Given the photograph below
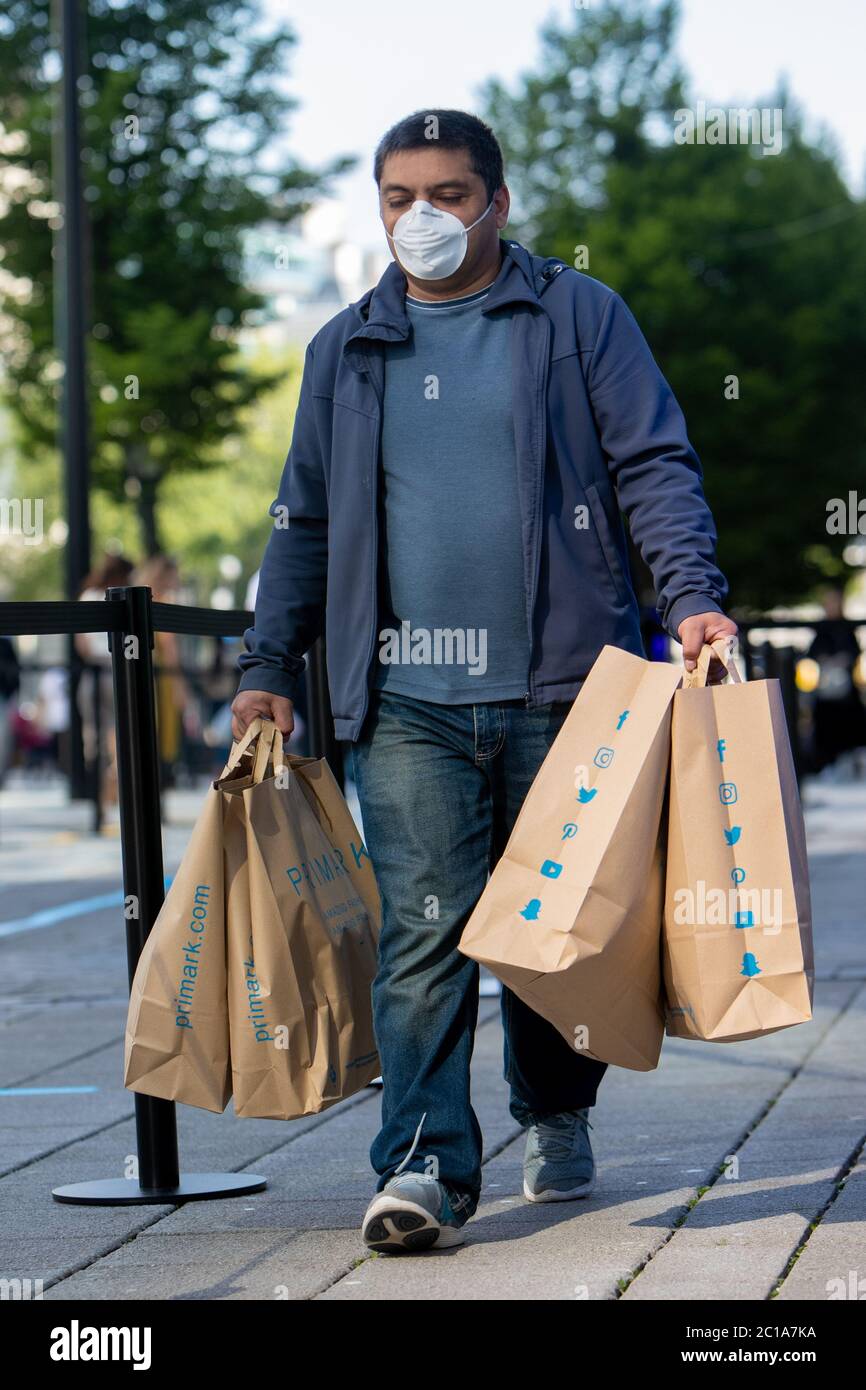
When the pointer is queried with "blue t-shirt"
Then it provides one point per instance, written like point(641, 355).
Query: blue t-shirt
point(452, 601)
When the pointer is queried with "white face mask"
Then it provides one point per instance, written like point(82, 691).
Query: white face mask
point(431, 243)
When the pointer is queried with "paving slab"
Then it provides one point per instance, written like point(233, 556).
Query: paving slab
point(831, 1264)
point(737, 1241)
point(317, 1168)
point(658, 1138)
point(784, 1114)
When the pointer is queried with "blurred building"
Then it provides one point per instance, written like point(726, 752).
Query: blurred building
point(306, 276)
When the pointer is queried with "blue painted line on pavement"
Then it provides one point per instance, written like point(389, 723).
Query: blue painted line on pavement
point(50, 916)
point(47, 1090)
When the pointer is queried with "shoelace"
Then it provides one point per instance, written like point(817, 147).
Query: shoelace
point(402, 1165)
point(457, 1200)
point(555, 1141)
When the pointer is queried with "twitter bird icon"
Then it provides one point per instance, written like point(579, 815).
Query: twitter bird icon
point(732, 835)
point(585, 794)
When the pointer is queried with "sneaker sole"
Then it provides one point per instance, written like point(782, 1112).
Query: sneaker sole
point(552, 1194)
point(393, 1223)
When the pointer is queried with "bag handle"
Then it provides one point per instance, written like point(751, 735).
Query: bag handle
point(240, 747)
point(269, 747)
point(309, 785)
point(697, 679)
point(264, 751)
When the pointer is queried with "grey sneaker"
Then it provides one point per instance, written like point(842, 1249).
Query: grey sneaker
point(415, 1211)
point(558, 1163)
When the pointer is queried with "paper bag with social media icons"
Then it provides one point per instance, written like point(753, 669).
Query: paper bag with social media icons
point(302, 928)
point(570, 919)
point(737, 939)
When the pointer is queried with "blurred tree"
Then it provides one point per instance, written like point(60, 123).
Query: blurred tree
point(240, 488)
point(602, 87)
point(198, 524)
point(183, 105)
point(737, 264)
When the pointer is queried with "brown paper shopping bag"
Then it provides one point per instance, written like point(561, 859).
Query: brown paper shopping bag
point(737, 939)
point(570, 919)
point(302, 930)
point(177, 1032)
point(328, 805)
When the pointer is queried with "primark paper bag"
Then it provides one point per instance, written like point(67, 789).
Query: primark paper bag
point(570, 919)
point(737, 941)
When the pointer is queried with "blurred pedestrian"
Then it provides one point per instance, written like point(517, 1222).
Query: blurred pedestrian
point(95, 696)
point(176, 710)
point(53, 707)
point(10, 683)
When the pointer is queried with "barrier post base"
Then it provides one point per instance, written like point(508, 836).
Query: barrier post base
point(193, 1187)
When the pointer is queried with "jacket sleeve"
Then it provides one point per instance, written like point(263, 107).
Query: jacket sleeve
point(290, 602)
point(657, 474)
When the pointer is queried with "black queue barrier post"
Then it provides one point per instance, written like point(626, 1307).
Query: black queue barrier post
point(130, 617)
point(94, 772)
point(159, 1178)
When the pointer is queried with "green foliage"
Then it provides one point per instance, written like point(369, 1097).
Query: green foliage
point(735, 263)
point(200, 517)
point(181, 108)
point(226, 512)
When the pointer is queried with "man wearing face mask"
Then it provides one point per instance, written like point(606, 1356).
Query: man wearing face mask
point(451, 426)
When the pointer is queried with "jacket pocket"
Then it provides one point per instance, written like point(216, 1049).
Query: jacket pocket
point(607, 544)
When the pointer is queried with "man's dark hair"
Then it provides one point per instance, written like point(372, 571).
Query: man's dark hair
point(454, 130)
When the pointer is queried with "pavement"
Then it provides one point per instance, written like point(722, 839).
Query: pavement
point(732, 1171)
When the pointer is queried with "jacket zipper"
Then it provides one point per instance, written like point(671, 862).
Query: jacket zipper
point(541, 405)
point(374, 479)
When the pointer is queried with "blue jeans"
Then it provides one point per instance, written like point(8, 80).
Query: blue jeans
point(440, 787)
